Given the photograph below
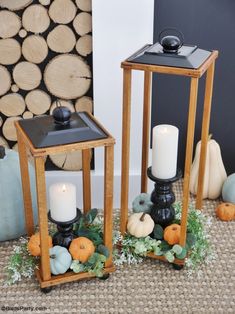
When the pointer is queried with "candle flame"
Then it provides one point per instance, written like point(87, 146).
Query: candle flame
point(64, 188)
point(164, 130)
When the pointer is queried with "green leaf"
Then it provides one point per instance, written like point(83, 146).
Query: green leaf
point(158, 232)
point(102, 249)
point(77, 267)
point(183, 254)
point(95, 237)
point(165, 246)
point(177, 249)
point(190, 240)
point(158, 251)
point(91, 215)
point(169, 256)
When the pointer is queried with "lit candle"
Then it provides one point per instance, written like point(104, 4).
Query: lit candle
point(62, 199)
point(165, 150)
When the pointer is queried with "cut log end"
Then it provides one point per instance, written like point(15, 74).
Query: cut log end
point(82, 23)
point(27, 75)
point(38, 102)
point(35, 19)
point(5, 80)
point(12, 105)
point(62, 11)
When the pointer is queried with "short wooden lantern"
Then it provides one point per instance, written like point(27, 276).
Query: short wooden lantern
point(195, 74)
point(39, 155)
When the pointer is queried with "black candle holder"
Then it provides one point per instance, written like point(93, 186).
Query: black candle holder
point(162, 197)
point(65, 233)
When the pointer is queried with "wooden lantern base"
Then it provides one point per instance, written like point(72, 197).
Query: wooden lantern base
point(39, 155)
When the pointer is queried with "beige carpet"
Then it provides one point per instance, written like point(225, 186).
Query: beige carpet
point(151, 287)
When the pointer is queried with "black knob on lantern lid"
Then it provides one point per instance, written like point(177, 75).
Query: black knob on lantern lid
point(171, 44)
point(61, 115)
point(2, 152)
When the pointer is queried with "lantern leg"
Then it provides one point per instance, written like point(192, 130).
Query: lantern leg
point(25, 185)
point(205, 133)
point(108, 202)
point(126, 118)
point(42, 217)
point(188, 157)
point(86, 178)
point(145, 131)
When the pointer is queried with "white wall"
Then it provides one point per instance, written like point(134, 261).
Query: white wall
point(120, 27)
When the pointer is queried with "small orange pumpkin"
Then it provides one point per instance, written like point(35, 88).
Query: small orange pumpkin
point(81, 249)
point(34, 244)
point(226, 211)
point(172, 234)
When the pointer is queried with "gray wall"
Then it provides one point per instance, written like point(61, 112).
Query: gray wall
point(210, 24)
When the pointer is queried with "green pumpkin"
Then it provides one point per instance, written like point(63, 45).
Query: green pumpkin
point(228, 190)
point(60, 260)
point(142, 203)
point(12, 218)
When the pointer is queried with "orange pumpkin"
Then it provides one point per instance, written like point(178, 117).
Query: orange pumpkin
point(172, 234)
point(226, 211)
point(34, 244)
point(81, 249)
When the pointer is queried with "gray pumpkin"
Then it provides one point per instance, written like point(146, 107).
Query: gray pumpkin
point(142, 203)
point(12, 219)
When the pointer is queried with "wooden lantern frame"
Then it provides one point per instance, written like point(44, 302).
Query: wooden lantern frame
point(194, 74)
point(39, 156)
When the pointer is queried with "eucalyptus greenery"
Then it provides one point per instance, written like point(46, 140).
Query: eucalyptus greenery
point(197, 249)
point(128, 249)
point(21, 264)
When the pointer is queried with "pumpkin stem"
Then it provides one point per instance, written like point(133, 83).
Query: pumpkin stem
point(210, 137)
point(141, 202)
point(2, 152)
point(82, 247)
point(142, 217)
point(53, 256)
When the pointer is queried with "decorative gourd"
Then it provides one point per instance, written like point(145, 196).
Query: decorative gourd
point(140, 225)
point(228, 190)
point(34, 244)
point(226, 211)
point(60, 260)
point(172, 234)
point(215, 173)
point(81, 249)
point(142, 203)
point(12, 219)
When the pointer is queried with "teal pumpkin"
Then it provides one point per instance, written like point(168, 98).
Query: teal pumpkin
point(142, 203)
point(12, 219)
point(228, 190)
point(60, 260)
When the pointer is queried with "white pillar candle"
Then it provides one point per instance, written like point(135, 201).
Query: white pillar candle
point(62, 200)
point(165, 150)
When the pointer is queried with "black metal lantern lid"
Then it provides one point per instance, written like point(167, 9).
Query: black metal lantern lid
point(62, 128)
point(171, 51)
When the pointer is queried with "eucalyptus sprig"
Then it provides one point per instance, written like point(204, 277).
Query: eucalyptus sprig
point(21, 264)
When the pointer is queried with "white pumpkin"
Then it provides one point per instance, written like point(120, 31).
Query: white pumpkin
point(140, 225)
point(215, 173)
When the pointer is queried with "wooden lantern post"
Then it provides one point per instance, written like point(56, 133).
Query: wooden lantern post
point(39, 155)
point(194, 74)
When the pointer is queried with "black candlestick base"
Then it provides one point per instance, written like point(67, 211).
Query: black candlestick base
point(162, 197)
point(65, 233)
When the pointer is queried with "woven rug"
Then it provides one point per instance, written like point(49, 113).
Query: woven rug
point(150, 287)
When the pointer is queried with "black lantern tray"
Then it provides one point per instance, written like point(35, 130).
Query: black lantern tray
point(188, 56)
point(44, 132)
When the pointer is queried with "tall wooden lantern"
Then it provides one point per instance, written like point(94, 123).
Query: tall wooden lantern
point(168, 56)
point(57, 134)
